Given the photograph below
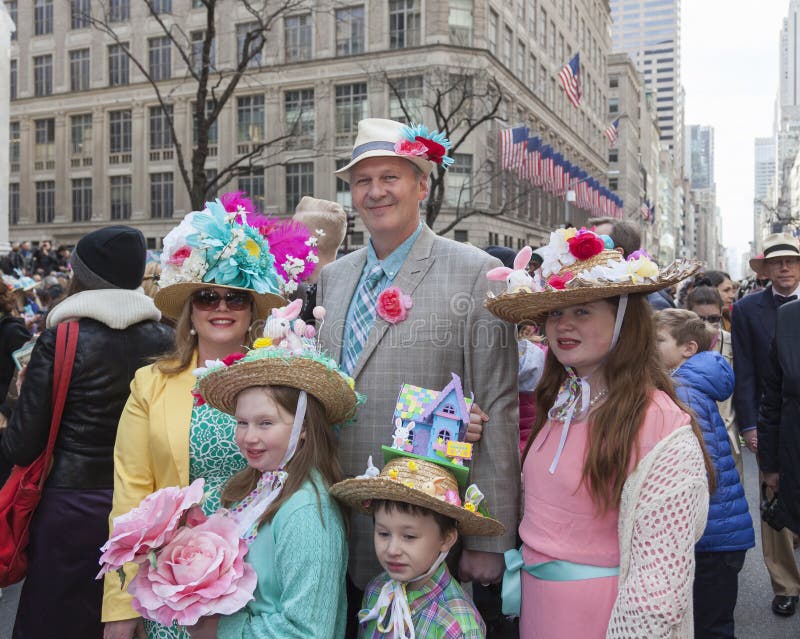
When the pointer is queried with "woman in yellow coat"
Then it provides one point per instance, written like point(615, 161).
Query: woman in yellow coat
point(218, 278)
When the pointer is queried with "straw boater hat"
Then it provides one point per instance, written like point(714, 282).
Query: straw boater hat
point(386, 138)
point(580, 267)
point(776, 245)
point(219, 246)
point(422, 483)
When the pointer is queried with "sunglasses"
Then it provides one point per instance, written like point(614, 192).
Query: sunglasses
point(209, 300)
point(711, 319)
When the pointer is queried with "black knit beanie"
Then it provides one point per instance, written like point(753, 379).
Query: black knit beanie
point(111, 257)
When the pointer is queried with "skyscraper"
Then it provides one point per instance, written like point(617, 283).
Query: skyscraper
point(649, 31)
point(700, 156)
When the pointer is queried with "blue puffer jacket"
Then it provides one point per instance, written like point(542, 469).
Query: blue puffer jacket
point(701, 381)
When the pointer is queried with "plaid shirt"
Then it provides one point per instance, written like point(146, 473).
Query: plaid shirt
point(439, 608)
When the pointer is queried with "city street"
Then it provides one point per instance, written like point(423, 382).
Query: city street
point(754, 619)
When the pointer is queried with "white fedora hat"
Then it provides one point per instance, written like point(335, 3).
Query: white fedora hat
point(387, 138)
point(776, 245)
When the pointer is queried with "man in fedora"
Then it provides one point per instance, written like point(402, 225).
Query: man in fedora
point(752, 331)
point(446, 330)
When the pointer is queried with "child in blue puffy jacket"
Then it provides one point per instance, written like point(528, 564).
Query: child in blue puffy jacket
point(702, 378)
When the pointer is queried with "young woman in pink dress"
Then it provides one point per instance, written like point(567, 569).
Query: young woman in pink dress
point(614, 473)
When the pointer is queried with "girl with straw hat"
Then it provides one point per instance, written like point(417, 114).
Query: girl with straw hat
point(286, 401)
point(615, 476)
point(223, 269)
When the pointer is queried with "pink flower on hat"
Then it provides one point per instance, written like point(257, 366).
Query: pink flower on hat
point(180, 256)
point(407, 147)
point(393, 305)
point(559, 282)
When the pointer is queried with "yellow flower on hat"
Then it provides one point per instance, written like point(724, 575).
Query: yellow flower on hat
point(469, 506)
point(393, 473)
point(252, 247)
point(412, 466)
point(646, 268)
point(262, 342)
point(570, 232)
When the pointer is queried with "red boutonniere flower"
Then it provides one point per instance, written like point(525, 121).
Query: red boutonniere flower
point(585, 245)
point(559, 282)
point(393, 305)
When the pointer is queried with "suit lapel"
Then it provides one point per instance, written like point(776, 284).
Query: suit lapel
point(177, 422)
point(338, 293)
point(769, 313)
point(417, 264)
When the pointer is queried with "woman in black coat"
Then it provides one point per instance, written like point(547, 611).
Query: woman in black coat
point(119, 332)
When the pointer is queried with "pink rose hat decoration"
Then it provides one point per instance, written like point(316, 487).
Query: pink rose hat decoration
point(393, 305)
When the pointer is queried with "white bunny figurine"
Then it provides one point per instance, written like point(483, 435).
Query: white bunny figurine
point(518, 278)
point(401, 433)
point(279, 327)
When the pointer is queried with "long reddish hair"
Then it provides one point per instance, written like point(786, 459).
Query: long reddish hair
point(632, 372)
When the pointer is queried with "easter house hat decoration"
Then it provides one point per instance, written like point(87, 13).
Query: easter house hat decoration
point(229, 245)
point(287, 355)
point(579, 267)
point(387, 138)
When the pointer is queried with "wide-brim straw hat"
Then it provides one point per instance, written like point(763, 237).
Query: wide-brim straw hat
point(172, 299)
point(314, 373)
point(415, 482)
point(376, 138)
point(528, 306)
point(775, 245)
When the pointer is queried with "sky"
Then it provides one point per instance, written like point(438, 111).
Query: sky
point(730, 74)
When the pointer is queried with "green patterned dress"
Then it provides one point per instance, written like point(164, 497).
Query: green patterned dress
point(214, 456)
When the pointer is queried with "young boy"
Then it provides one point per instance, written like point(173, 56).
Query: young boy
point(418, 513)
point(702, 378)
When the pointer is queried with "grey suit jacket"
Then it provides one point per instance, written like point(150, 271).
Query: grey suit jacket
point(447, 330)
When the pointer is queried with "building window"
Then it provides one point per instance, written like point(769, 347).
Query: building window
point(532, 65)
point(42, 17)
point(81, 135)
point(343, 196)
point(351, 106)
point(13, 203)
point(212, 128)
point(120, 197)
point(12, 84)
point(161, 192)
point(119, 10)
point(507, 39)
point(613, 82)
point(613, 155)
point(613, 184)
point(299, 182)
point(493, 22)
point(251, 181)
point(197, 4)
point(443, 435)
point(13, 146)
point(461, 235)
point(406, 92)
point(532, 19)
point(249, 33)
point(160, 131)
point(250, 118)
point(118, 65)
point(613, 105)
point(520, 60)
point(161, 6)
point(80, 13)
point(458, 181)
point(542, 28)
point(43, 75)
point(12, 11)
point(448, 409)
point(405, 24)
point(350, 30)
point(119, 131)
point(299, 114)
point(45, 201)
point(79, 70)
point(82, 200)
point(459, 22)
point(297, 37)
point(160, 58)
point(44, 137)
point(198, 39)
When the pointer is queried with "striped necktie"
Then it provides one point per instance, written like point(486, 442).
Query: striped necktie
point(363, 318)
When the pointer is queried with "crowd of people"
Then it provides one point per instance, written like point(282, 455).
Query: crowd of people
point(605, 405)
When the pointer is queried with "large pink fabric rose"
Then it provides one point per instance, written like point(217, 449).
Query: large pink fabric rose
point(393, 305)
point(148, 526)
point(200, 572)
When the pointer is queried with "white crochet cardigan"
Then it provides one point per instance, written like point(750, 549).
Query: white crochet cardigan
point(662, 515)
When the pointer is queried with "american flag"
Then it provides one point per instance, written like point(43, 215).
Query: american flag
point(645, 210)
point(513, 144)
point(611, 133)
point(570, 77)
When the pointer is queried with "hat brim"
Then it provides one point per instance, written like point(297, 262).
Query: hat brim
point(357, 494)
point(426, 166)
point(534, 307)
point(172, 299)
point(757, 263)
point(221, 388)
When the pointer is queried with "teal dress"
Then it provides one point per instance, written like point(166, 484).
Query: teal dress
point(214, 456)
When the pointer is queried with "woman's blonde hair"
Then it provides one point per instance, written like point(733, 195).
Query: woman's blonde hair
point(315, 451)
point(632, 373)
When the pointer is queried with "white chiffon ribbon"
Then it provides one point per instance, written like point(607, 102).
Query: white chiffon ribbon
point(391, 610)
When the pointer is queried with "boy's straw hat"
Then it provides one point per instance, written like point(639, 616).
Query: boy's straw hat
point(422, 483)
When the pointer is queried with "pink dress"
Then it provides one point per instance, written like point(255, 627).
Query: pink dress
point(560, 521)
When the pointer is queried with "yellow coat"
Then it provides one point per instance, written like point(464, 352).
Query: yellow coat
point(151, 452)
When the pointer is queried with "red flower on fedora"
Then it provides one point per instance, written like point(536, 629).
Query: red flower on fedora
point(393, 305)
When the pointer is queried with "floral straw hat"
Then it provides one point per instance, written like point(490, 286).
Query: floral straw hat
point(422, 483)
point(580, 267)
point(291, 357)
point(228, 244)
